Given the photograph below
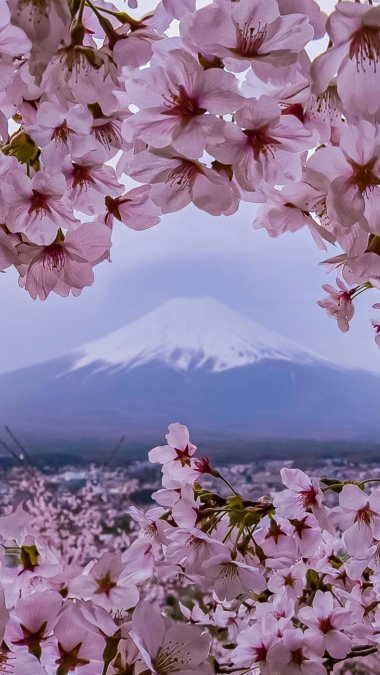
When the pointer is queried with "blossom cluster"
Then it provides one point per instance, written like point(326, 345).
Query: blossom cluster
point(226, 107)
point(286, 585)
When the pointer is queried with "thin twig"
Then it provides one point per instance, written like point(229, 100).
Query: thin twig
point(114, 452)
point(20, 447)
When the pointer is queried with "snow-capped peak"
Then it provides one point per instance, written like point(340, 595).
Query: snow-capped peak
point(191, 333)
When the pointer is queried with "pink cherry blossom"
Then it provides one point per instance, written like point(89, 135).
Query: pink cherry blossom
point(339, 304)
point(253, 31)
point(135, 209)
point(150, 523)
point(177, 181)
point(78, 649)
point(326, 623)
point(173, 100)
point(60, 130)
point(103, 584)
point(229, 577)
point(192, 548)
point(307, 534)
point(361, 518)
point(253, 646)
point(66, 264)
point(288, 579)
point(354, 30)
point(8, 249)
point(178, 448)
point(294, 655)
point(135, 42)
point(288, 210)
point(45, 24)
point(302, 494)
point(34, 621)
point(354, 192)
point(277, 540)
point(139, 562)
point(173, 649)
point(37, 206)
point(263, 146)
point(89, 180)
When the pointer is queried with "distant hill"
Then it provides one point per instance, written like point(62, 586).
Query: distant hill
point(198, 362)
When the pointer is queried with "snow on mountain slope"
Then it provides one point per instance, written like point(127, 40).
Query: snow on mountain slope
point(191, 333)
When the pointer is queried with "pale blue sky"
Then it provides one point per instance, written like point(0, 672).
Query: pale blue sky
point(275, 282)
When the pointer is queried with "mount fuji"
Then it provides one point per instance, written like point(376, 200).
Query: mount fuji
point(199, 362)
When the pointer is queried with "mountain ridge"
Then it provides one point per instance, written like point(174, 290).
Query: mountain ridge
point(197, 362)
point(205, 332)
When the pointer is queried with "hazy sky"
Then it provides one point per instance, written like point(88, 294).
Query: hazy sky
point(275, 282)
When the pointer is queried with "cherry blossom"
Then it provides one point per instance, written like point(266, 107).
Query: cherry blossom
point(254, 645)
point(173, 100)
point(355, 33)
point(294, 655)
point(177, 181)
point(66, 264)
point(266, 147)
point(60, 131)
point(135, 209)
point(301, 494)
point(361, 516)
point(353, 195)
point(35, 618)
point(339, 304)
point(169, 650)
point(326, 624)
point(178, 448)
point(266, 575)
point(376, 326)
point(102, 584)
point(37, 207)
point(89, 181)
point(253, 31)
point(231, 577)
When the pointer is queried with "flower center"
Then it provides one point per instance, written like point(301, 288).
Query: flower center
point(183, 176)
point(54, 257)
point(183, 456)
point(260, 653)
point(289, 580)
point(363, 175)
point(327, 104)
point(365, 48)
point(308, 497)
point(260, 142)
point(61, 133)
point(275, 531)
point(182, 104)
point(249, 38)
point(298, 657)
point(108, 134)
point(5, 666)
point(171, 658)
point(32, 640)
point(69, 660)
point(81, 175)
point(39, 204)
point(325, 625)
point(105, 585)
point(364, 515)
